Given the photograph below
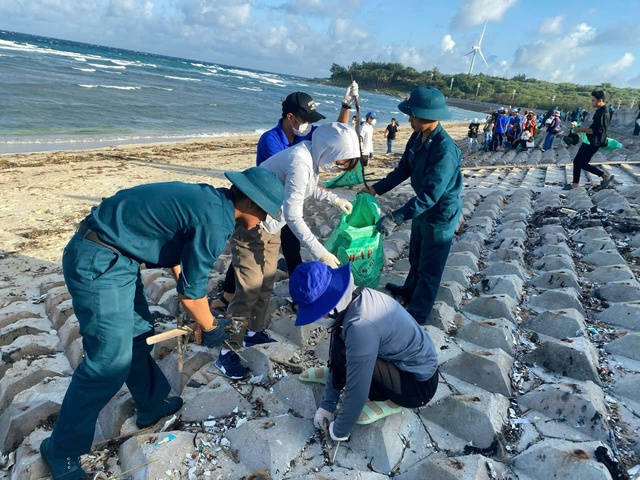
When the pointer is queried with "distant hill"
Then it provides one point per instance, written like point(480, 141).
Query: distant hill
point(396, 79)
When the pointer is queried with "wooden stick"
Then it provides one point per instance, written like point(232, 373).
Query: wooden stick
point(135, 468)
point(121, 437)
point(292, 366)
point(169, 334)
point(234, 350)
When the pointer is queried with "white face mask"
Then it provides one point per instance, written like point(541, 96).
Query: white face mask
point(373, 122)
point(303, 129)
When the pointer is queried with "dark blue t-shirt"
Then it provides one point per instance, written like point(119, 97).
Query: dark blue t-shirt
point(274, 141)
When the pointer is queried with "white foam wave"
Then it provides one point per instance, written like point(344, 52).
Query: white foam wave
point(115, 87)
point(184, 79)
point(266, 77)
point(84, 69)
point(29, 48)
point(252, 89)
point(98, 65)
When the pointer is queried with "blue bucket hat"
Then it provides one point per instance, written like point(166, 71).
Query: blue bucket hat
point(372, 115)
point(317, 289)
point(426, 103)
point(261, 186)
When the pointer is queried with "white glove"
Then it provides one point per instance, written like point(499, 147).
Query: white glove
point(321, 414)
point(350, 94)
point(344, 205)
point(333, 437)
point(330, 259)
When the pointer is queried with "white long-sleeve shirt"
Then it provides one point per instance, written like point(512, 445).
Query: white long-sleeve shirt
point(298, 169)
point(366, 132)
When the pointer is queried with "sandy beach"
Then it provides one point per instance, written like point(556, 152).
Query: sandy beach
point(45, 195)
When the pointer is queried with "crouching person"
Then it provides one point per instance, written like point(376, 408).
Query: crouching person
point(174, 225)
point(380, 358)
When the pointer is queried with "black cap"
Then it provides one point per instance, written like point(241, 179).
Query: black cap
point(300, 103)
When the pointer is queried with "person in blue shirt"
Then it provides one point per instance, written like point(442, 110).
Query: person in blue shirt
point(173, 225)
point(432, 160)
point(298, 114)
point(500, 128)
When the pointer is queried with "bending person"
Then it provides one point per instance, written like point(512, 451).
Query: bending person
point(173, 225)
point(380, 358)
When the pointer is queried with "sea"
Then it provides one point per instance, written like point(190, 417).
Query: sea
point(63, 95)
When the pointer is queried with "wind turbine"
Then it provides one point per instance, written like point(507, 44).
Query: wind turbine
point(477, 49)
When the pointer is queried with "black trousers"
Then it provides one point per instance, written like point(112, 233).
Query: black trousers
point(582, 159)
point(290, 249)
point(402, 388)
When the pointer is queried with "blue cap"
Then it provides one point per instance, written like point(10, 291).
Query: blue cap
point(261, 186)
point(317, 289)
point(426, 103)
point(372, 115)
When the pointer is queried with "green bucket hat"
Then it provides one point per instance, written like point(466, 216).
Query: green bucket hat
point(426, 103)
point(261, 186)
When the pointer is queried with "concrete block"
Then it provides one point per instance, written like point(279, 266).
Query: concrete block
point(26, 373)
point(170, 302)
point(299, 396)
point(476, 419)
point(554, 262)
point(115, 413)
point(450, 293)
point(55, 296)
point(493, 306)
point(463, 259)
point(270, 444)
point(628, 388)
point(217, 399)
point(148, 275)
point(467, 467)
point(627, 346)
point(510, 285)
point(573, 411)
point(624, 315)
point(589, 234)
point(621, 291)
point(194, 358)
point(494, 333)
point(597, 245)
point(60, 313)
point(572, 357)
point(510, 234)
point(467, 246)
point(560, 459)
point(68, 332)
point(22, 327)
point(556, 279)
point(20, 419)
point(507, 267)
point(259, 357)
point(604, 258)
point(560, 248)
point(613, 273)
point(444, 317)
point(503, 254)
point(558, 299)
point(28, 463)
point(74, 353)
point(558, 323)
point(158, 288)
point(489, 369)
point(19, 310)
point(27, 346)
point(459, 275)
point(552, 229)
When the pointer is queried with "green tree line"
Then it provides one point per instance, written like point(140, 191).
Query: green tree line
point(396, 79)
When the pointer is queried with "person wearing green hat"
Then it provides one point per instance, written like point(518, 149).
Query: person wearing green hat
point(379, 355)
point(432, 161)
point(173, 225)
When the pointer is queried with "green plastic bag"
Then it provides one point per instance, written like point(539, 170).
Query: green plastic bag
point(346, 179)
point(356, 240)
point(612, 143)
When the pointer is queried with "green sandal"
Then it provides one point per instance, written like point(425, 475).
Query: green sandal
point(371, 409)
point(315, 375)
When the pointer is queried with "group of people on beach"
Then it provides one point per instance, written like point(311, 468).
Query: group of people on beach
point(504, 130)
point(381, 358)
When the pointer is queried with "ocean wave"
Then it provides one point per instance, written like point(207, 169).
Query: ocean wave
point(98, 65)
point(115, 87)
point(252, 89)
point(184, 79)
point(84, 69)
point(266, 77)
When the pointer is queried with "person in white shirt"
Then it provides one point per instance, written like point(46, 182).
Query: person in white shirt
point(255, 251)
point(366, 132)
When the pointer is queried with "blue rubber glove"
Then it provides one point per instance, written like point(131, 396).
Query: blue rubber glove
point(215, 336)
point(386, 225)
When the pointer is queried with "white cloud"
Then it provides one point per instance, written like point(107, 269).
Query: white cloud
point(551, 25)
point(476, 12)
point(447, 43)
point(614, 68)
point(554, 59)
point(128, 8)
point(228, 15)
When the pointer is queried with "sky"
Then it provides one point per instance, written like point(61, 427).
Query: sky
point(546, 39)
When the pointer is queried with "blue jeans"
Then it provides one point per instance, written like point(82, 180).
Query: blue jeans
point(487, 139)
point(389, 145)
point(428, 252)
point(108, 300)
point(548, 141)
